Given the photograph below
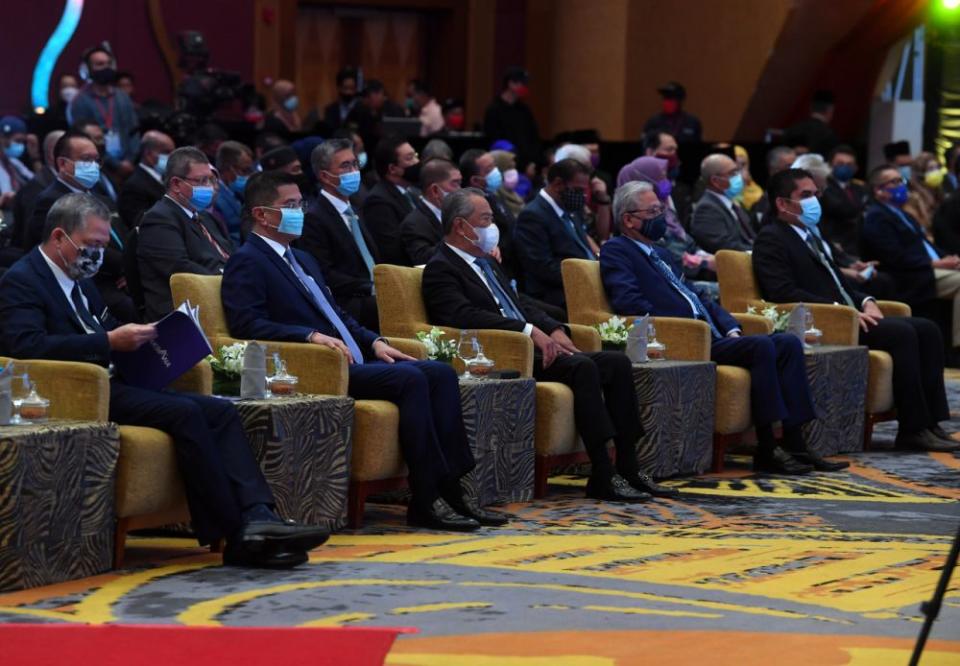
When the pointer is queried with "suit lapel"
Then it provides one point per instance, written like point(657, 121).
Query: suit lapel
point(281, 265)
point(340, 227)
point(471, 275)
point(50, 283)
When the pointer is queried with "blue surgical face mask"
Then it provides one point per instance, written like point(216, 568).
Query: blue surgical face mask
point(349, 183)
point(162, 163)
point(291, 103)
point(844, 172)
point(898, 194)
point(810, 211)
point(494, 180)
point(15, 149)
point(239, 184)
point(655, 228)
point(201, 196)
point(86, 173)
point(291, 221)
point(735, 188)
point(487, 237)
point(362, 159)
point(905, 172)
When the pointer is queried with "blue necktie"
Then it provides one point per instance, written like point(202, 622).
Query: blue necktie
point(682, 288)
point(325, 306)
point(510, 310)
point(572, 228)
point(359, 239)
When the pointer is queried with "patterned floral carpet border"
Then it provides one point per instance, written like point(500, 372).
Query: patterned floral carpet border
point(825, 569)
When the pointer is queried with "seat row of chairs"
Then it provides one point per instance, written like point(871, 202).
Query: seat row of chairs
point(149, 491)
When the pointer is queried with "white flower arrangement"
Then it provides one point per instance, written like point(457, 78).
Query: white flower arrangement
point(614, 331)
point(229, 360)
point(438, 349)
point(779, 319)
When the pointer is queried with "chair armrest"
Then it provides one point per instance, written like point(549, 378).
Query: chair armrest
point(321, 370)
point(198, 379)
point(753, 324)
point(510, 350)
point(686, 339)
point(414, 348)
point(75, 390)
point(585, 338)
point(838, 323)
point(894, 309)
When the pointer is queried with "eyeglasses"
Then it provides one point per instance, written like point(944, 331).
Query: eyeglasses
point(202, 182)
point(893, 182)
point(298, 205)
point(646, 213)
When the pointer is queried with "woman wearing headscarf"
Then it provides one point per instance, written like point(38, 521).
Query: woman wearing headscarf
point(926, 181)
point(752, 192)
point(507, 163)
point(698, 265)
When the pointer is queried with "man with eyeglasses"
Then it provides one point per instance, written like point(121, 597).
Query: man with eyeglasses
point(272, 291)
point(793, 264)
point(921, 271)
point(337, 237)
point(77, 163)
point(178, 235)
point(718, 222)
point(642, 278)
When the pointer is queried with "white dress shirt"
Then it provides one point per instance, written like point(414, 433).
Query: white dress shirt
point(153, 172)
point(341, 207)
point(472, 263)
point(825, 247)
point(553, 204)
point(433, 209)
point(66, 285)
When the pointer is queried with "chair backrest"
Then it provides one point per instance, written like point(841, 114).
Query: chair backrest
point(583, 287)
point(400, 300)
point(203, 291)
point(738, 284)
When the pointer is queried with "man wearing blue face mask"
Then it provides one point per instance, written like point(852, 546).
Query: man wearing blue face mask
point(792, 264)
point(640, 278)
point(422, 230)
point(14, 158)
point(464, 288)
point(890, 235)
point(145, 186)
point(337, 237)
point(235, 166)
point(718, 223)
point(178, 235)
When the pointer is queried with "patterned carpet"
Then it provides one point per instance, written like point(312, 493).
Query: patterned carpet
point(822, 570)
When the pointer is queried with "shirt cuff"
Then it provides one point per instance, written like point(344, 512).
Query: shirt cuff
point(864, 301)
point(734, 330)
point(380, 339)
point(527, 329)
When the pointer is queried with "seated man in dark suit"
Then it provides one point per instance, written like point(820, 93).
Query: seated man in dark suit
point(51, 310)
point(478, 169)
point(639, 279)
point(177, 235)
point(550, 229)
point(718, 222)
point(464, 288)
point(391, 200)
point(78, 170)
point(793, 265)
point(274, 292)
point(336, 237)
point(144, 187)
point(422, 229)
point(922, 273)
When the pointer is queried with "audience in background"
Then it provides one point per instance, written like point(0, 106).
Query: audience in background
point(508, 117)
point(926, 179)
point(282, 117)
point(234, 167)
point(751, 191)
point(421, 229)
point(144, 187)
point(814, 134)
point(336, 112)
point(718, 222)
point(672, 119)
point(391, 199)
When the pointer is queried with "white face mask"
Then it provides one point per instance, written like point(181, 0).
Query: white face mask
point(67, 93)
point(487, 237)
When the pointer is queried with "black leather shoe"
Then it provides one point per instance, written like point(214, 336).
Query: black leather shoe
point(614, 489)
point(645, 484)
point(261, 536)
point(236, 555)
point(440, 516)
point(479, 514)
point(940, 433)
point(820, 463)
point(924, 441)
point(778, 461)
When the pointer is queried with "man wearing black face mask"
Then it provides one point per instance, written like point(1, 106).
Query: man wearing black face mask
point(110, 108)
point(336, 112)
point(640, 278)
point(391, 200)
point(550, 229)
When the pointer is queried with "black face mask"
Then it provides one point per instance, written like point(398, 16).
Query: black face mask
point(346, 99)
point(104, 76)
point(412, 173)
point(572, 199)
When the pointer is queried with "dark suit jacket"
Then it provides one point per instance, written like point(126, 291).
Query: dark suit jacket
point(140, 191)
point(169, 242)
point(946, 224)
point(900, 251)
point(813, 133)
point(455, 296)
point(843, 214)
point(507, 224)
point(326, 237)
point(24, 202)
point(715, 228)
point(38, 320)
point(788, 271)
point(33, 232)
point(263, 299)
point(383, 212)
point(543, 241)
point(634, 286)
point(420, 232)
